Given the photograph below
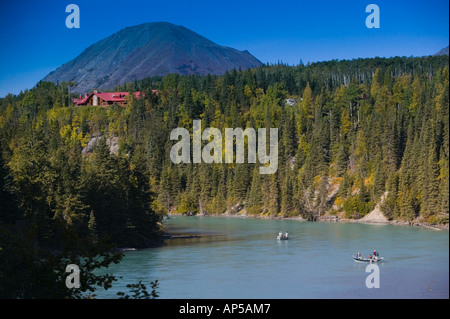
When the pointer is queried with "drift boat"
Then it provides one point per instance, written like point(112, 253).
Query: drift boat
point(368, 260)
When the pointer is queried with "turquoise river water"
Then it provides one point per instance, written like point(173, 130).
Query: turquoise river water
point(240, 258)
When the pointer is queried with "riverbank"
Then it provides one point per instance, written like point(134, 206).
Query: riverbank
point(375, 217)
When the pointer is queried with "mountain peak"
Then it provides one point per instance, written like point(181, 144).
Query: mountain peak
point(444, 51)
point(149, 49)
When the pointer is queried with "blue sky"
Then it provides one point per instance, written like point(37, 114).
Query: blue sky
point(36, 40)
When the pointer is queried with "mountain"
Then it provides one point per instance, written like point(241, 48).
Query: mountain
point(149, 49)
point(444, 51)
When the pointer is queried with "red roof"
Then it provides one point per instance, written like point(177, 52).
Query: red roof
point(81, 101)
point(109, 96)
point(115, 96)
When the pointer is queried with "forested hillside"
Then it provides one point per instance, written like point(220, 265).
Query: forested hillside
point(350, 134)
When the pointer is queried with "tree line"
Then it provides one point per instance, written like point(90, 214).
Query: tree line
point(352, 134)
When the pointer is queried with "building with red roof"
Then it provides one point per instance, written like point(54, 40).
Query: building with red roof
point(105, 99)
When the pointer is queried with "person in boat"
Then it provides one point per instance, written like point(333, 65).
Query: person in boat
point(280, 234)
point(375, 255)
point(358, 255)
point(286, 235)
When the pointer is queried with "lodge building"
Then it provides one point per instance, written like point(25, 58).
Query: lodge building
point(104, 99)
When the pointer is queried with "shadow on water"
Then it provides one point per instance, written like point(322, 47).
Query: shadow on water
point(180, 236)
point(195, 239)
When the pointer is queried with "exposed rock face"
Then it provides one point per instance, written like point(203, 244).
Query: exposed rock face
point(112, 142)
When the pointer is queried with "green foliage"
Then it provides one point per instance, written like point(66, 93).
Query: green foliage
point(355, 207)
point(357, 132)
point(188, 204)
point(139, 291)
point(30, 272)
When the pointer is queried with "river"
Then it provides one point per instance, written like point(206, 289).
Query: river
point(240, 258)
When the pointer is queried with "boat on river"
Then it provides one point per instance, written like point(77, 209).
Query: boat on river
point(368, 260)
point(282, 237)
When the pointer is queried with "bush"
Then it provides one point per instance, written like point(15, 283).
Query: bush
point(354, 207)
point(188, 205)
point(254, 210)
